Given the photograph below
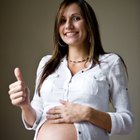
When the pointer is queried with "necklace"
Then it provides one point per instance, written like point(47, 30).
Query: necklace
point(79, 61)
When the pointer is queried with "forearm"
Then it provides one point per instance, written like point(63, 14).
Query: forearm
point(29, 115)
point(98, 118)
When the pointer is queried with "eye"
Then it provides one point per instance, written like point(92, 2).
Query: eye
point(76, 18)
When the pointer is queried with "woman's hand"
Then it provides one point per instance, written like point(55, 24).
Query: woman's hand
point(18, 91)
point(20, 96)
point(67, 113)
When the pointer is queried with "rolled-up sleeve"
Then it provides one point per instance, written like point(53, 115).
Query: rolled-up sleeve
point(122, 119)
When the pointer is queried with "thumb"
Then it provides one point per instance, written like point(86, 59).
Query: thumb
point(18, 74)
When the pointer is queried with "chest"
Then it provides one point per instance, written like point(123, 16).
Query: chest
point(76, 67)
point(88, 87)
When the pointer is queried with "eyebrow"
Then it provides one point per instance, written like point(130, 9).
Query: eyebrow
point(74, 14)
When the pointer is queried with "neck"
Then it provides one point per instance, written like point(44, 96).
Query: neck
point(79, 61)
point(77, 53)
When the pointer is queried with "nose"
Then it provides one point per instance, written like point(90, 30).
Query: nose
point(68, 25)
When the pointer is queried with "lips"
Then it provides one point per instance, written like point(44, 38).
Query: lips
point(70, 34)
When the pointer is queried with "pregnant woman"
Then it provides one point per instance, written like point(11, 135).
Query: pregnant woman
point(75, 84)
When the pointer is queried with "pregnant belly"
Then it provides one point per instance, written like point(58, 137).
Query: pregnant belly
point(57, 132)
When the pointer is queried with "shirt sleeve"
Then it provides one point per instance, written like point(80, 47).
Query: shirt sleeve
point(36, 102)
point(122, 119)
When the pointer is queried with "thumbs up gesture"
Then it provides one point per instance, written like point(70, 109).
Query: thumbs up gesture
point(18, 74)
point(18, 91)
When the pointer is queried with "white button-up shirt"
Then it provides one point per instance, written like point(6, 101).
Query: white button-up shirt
point(94, 86)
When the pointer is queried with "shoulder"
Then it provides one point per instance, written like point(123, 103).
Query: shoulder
point(42, 62)
point(110, 58)
point(114, 64)
point(45, 58)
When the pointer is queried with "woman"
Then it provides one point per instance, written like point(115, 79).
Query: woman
point(75, 85)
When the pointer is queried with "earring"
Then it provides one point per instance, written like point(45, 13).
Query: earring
point(62, 43)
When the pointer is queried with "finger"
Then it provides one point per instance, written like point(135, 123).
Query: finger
point(56, 121)
point(17, 95)
point(15, 84)
point(18, 74)
point(18, 101)
point(55, 116)
point(16, 89)
point(54, 111)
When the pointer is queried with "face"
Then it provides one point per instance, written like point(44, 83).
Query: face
point(72, 28)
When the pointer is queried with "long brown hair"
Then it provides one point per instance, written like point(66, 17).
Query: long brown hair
point(95, 46)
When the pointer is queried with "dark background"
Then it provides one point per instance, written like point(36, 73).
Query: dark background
point(26, 32)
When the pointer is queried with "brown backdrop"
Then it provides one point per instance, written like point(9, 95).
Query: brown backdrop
point(26, 30)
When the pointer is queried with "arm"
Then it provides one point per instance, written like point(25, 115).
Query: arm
point(29, 115)
point(19, 95)
point(98, 118)
point(122, 119)
point(33, 112)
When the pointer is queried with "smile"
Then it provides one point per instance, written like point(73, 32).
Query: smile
point(71, 34)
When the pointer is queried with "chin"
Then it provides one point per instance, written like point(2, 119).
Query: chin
point(73, 43)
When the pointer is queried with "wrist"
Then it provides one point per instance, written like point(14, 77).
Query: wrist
point(26, 107)
point(87, 113)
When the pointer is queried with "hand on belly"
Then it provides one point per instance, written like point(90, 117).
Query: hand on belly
point(57, 132)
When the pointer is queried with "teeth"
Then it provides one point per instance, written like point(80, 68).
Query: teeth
point(70, 34)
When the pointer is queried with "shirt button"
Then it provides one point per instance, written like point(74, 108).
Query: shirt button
point(79, 132)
